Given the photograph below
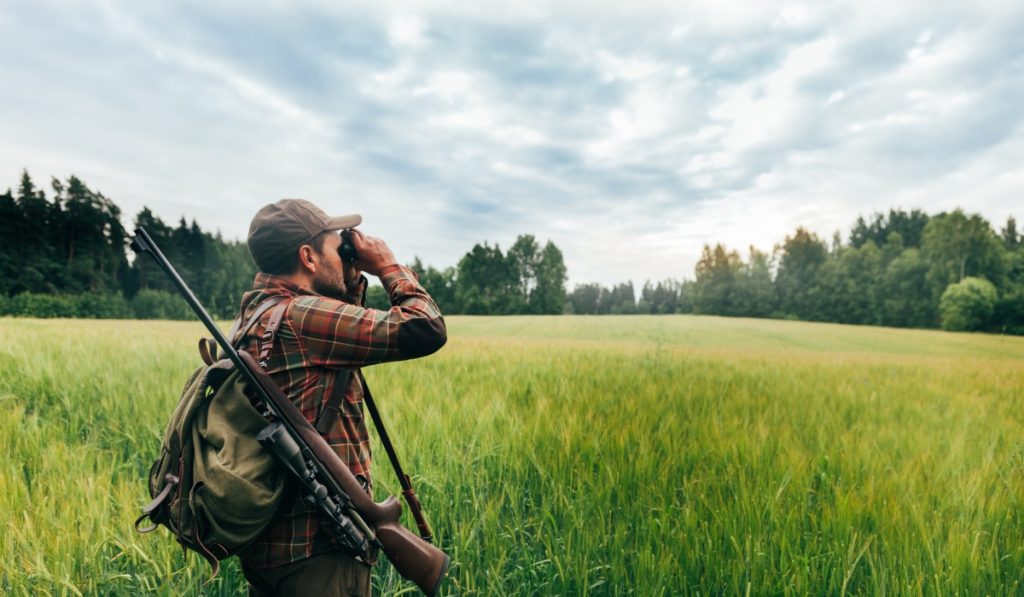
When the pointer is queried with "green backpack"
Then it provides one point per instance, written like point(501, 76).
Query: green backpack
point(214, 486)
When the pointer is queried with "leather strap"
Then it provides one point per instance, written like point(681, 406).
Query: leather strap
point(171, 483)
point(208, 346)
point(403, 479)
point(332, 406)
point(267, 304)
point(237, 325)
point(267, 341)
point(208, 350)
point(342, 378)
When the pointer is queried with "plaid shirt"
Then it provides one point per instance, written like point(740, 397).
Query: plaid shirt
point(317, 336)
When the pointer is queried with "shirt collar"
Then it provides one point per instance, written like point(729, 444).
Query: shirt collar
point(271, 284)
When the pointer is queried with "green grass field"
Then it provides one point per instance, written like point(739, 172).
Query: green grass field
point(574, 456)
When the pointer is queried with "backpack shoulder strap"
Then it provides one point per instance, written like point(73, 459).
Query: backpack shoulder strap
point(208, 346)
point(237, 325)
point(266, 342)
point(238, 331)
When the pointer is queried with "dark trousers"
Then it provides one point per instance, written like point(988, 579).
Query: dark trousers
point(326, 575)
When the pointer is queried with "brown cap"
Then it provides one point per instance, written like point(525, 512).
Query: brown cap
point(279, 229)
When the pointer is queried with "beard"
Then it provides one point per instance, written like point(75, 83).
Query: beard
point(330, 284)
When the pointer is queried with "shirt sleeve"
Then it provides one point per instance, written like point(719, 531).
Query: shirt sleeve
point(333, 333)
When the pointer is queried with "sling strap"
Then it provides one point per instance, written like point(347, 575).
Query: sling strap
point(403, 479)
point(332, 406)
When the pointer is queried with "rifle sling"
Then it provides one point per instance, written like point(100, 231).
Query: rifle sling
point(332, 406)
point(382, 432)
point(403, 479)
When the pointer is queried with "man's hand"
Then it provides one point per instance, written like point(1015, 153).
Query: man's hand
point(374, 254)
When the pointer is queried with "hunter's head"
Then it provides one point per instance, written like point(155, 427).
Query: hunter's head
point(295, 239)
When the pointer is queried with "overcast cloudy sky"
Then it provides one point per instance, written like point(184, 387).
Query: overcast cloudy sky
point(628, 133)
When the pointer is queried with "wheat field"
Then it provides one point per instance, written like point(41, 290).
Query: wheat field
point(633, 455)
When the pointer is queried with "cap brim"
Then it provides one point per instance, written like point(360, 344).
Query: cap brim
point(342, 222)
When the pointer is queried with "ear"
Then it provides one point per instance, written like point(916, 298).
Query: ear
point(308, 258)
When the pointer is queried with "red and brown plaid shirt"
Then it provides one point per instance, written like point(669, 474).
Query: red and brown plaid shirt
point(317, 336)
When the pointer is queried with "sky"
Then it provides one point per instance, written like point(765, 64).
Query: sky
point(629, 134)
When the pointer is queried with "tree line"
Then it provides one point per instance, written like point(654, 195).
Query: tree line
point(66, 255)
point(900, 269)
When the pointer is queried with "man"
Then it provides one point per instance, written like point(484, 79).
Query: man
point(326, 330)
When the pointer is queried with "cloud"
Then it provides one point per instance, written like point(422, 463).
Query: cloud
point(628, 135)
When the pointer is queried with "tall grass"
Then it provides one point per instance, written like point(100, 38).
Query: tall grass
point(584, 456)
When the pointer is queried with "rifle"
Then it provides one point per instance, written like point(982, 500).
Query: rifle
point(356, 520)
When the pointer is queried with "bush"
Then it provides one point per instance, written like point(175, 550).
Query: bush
point(157, 304)
point(98, 305)
point(32, 304)
point(968, 305)
point(92, 305)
